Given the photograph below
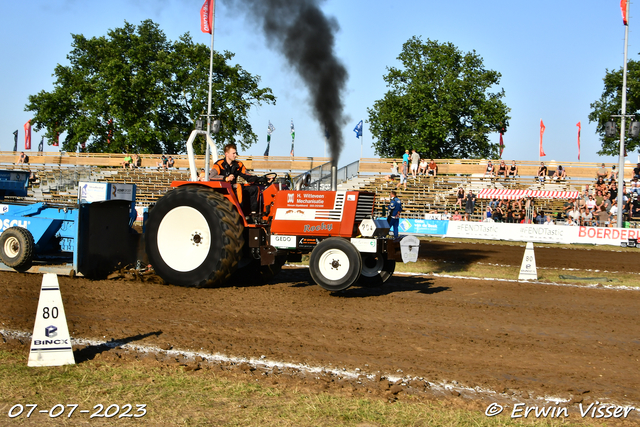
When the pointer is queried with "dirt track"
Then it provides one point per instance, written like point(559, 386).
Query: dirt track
point(511, 337)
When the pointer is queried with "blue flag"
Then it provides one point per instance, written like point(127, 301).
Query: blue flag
point(358, 130)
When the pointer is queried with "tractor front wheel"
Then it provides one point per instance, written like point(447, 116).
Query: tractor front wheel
point(194, 237)
point(335, 264)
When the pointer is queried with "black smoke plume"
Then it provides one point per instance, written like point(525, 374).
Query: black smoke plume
point(305, 36)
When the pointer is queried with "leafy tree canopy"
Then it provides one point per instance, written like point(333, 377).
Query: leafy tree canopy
point(438, 104)
point(135, 91)
point(610, 103)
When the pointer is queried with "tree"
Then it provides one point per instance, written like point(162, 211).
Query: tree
point(135, 91)
point(439, 103)
point(610, 103)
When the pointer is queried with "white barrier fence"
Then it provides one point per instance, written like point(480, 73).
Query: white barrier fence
point(521, 232)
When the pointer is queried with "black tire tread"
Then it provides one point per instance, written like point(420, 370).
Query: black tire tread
point(25, 257)
point(232, 231)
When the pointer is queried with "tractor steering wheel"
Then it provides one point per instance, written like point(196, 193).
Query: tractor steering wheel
point(268, 178)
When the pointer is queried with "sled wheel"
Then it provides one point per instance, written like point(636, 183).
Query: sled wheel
point(376, 269)
point(17, 247)
point(194, 237)
point(335, 264)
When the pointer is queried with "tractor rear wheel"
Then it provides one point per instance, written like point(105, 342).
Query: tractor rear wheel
point(194, 237)
point(17, 248)
point(335, 264)
point(376, 269)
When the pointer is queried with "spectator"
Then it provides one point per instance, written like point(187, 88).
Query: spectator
point(599, 198)
point(542, 172)
point(548, 220)
point(538, 218)
point(23, 159)
point(575, 215)
point(502, 170)
point(602, 217)
point(489, 171)
point(415, 162)
point(613, 176)
point(634, 186)
point(162, 164)
point(469, 205)
point(488, 214)
point(513, 169)
point(636, 171)
point(601, 185)
point(528, 207)
point(568, 206)
point(127, 161)
point(394, 172)
point(403, 175)
point(405, 157)
point(394, 209)
point(613, 191)
point(570, 221)
point(586, 218)
point(510, 218)
point(494, 203)
point(560, 173)
point(135, 162)
point(432, 168)
point(460, 197)
point(591, 203)
point(613, 212)
point(422, 169)
point(456, 216)
point(602, 172)
point(498, 214)
point(170, 162)
point(446, 215)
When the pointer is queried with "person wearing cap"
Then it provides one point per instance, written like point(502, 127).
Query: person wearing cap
point(602, 172)
point(560, 173)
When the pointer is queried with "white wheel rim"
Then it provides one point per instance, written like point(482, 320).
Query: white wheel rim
point(12, 247)
point(334, 264)
point(184, 239)
point(375, 270)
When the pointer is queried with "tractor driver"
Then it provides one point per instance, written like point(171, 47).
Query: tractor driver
point(230, 169)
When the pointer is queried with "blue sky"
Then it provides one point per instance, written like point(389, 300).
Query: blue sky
point(552, 56)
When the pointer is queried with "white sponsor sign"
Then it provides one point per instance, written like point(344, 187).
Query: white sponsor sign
point(121, 192)
point(296, 214)
point(93, 191)
point(541, 233)
point(283, 242)
point(365, 245)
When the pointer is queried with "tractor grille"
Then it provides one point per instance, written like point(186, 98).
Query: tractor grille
point(364, 209)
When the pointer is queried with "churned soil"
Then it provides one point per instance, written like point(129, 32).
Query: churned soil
point(519, 339)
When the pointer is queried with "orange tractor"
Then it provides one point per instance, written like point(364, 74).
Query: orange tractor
point(198, 235)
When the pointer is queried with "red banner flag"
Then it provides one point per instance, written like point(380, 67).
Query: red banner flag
point(623, 8)
point(579, 129)
point(27, 135)
point(501, 145)
point(542, 128)
point(206, 16)
point(56, 140)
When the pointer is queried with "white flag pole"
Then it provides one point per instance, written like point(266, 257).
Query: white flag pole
point(207, 154)
point(622, 126)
